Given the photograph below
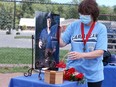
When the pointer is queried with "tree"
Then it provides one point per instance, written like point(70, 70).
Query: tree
point(5, 17)
point(114, 9)
point(105, 10)
point(27, 10)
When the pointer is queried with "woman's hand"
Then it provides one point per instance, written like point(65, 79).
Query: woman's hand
point(88, 55)
point(74, 55)
point(40, 44)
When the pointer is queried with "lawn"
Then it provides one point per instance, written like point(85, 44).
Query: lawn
point(15, 56)
point(18, 56)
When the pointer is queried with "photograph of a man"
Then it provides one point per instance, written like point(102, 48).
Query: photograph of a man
point(44, 34)
point(48, 41)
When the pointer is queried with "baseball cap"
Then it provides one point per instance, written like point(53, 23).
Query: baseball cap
point(49, 15)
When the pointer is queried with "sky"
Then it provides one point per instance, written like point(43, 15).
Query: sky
point(100, 2)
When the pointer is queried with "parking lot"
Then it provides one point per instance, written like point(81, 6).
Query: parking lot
point(10, 41)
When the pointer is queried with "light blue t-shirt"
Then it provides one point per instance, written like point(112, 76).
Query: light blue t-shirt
point(92, 68)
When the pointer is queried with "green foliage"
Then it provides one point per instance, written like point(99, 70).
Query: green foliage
point(105, 10)
point(27, 10)
point(22, 37)
point(63, 53)
point(6, 17)
point(72, 12)
point(24, 27)
point(19, 13)
point(114, 9)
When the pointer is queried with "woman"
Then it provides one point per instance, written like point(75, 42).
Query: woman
point(88, 40)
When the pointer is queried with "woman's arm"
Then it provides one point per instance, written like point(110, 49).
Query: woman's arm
point(90, 55)
point(62, 44)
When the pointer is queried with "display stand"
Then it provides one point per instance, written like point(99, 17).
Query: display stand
point(29, 73)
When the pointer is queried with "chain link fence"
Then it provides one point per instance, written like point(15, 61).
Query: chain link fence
point(15, 38)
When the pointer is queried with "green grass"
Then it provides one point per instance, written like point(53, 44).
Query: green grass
point(18, 56)
point(15, 56)
point(22, 37)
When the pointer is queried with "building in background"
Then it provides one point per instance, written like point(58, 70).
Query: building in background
point(27, 24)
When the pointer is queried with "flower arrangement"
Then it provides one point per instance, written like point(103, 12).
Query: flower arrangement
point(71, 74)
point(61, 64)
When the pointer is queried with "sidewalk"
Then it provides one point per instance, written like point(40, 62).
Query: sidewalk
point(5, 78)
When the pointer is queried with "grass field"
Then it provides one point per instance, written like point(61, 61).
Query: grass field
point(18, 56)
point(15, 55)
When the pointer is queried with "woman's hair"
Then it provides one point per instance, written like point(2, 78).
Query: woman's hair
point(89, 7)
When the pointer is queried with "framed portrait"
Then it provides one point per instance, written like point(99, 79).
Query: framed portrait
point(46, 40)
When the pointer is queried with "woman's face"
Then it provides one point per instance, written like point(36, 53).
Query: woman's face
point(48, 22)
point(86, 19)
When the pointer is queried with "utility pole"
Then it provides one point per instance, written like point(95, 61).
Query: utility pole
point(14, 14)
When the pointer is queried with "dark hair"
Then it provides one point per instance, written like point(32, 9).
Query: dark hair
point(89, 7)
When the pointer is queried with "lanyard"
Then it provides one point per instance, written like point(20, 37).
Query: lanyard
point(88, 34)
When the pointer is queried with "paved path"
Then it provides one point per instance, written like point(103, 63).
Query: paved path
point(10, 41)
point(5, 78)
